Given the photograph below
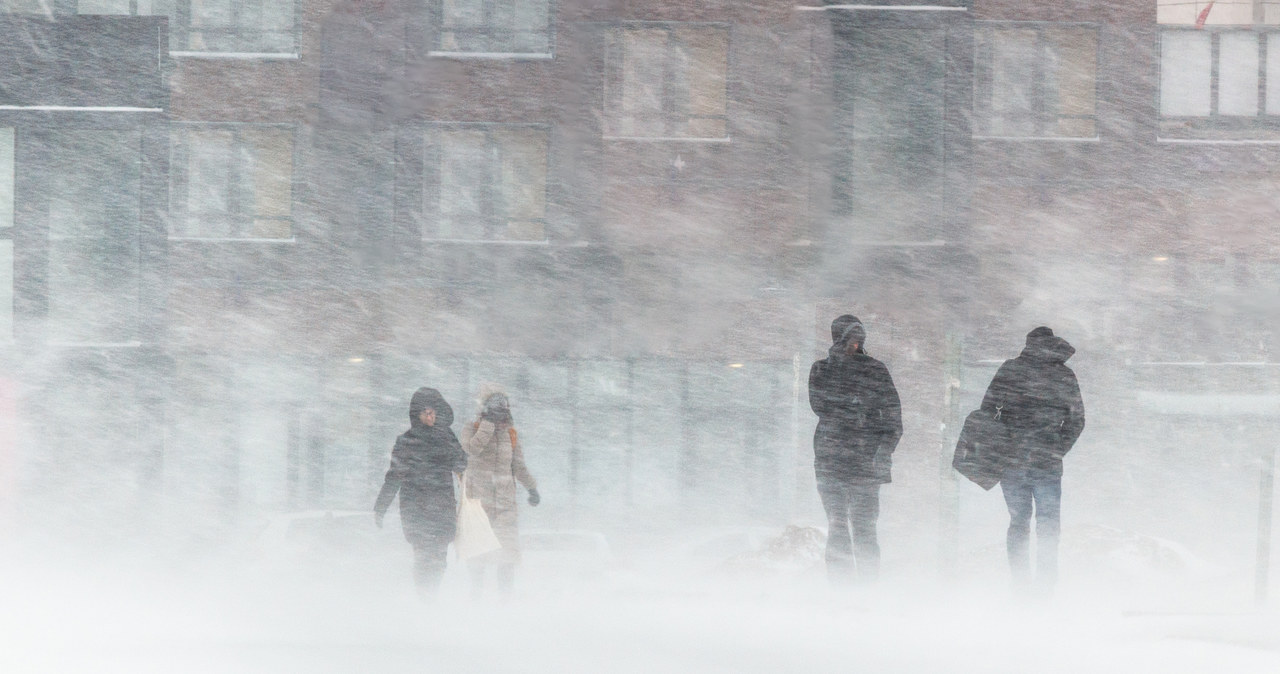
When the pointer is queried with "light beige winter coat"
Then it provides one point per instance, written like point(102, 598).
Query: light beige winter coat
point(494, 464)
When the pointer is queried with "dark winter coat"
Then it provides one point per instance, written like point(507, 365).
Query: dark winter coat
point(859, 416)
point(422, 466)
point(1038, 398)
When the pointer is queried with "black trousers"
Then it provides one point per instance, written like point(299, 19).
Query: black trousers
point(853, 508)
point(430, 557)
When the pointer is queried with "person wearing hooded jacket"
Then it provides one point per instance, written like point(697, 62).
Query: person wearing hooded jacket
point(859, 425)
point(1038, 399)
point(423, 463)
point(495, 465)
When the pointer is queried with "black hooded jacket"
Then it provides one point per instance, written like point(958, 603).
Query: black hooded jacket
point(1038, 398)
point(859, 413)
point(422, 466)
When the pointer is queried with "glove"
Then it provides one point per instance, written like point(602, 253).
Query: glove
point(377, 519)
point(534, 497)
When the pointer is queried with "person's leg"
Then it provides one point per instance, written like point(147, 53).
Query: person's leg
point(1048, 498)
point(839, 553)
point(865, 512)
point(1017, 496)
point(475, 569)
point(420, 566)
point(506, 579)
point(429, 562)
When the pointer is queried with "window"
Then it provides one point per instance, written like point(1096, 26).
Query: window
point(26, 6)
point(125, 7)
point(666, 82)
point(1219, 68)
point(234, 26)
point(232, 181)
point(490, 183)
point(1035, 81)
point(259, 26)
point(495, 26)
point(1220, 12)
point(92, 207)
point(1216, 73)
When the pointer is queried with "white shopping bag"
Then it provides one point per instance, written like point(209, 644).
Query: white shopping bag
point(475, 534)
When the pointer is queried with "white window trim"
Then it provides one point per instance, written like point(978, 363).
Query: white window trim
point(883, 8)
point(670, 139)
point(98, 345)
point(491, 242)
point(232, 239)
point(492, 56)
point(243, 56)
point(76, 108)
point(869, 243)
point(1223, 141)
point(1041, 139)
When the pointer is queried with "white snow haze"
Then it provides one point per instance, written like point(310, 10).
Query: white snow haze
point(237, 236)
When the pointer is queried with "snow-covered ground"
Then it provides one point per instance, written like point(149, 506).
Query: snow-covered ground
point(681, 608)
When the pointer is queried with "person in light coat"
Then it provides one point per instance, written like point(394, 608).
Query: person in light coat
point(495, 463)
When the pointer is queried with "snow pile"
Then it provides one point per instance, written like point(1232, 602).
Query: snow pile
point(1127, 555)
point(798, 549)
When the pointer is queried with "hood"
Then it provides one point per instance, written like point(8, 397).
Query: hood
point(429, 397)
point(845, 329)
point(1043, 345)
point(487, 389)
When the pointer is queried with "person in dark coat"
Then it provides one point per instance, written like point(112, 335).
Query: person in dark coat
point(1038, 398)
point(423, 463)
point(859, 425)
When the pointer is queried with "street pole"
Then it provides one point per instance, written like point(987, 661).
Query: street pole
point(1265, 496)
point(948, 493)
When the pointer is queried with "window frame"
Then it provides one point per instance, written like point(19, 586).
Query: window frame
point(615, 62)
point(429, 231)
point(179, 176)
point(435, 11)
point(1043, 120)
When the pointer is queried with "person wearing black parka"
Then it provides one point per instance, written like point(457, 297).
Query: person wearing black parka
point(423, 464)
point(1038, 399)
point(859, 425)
